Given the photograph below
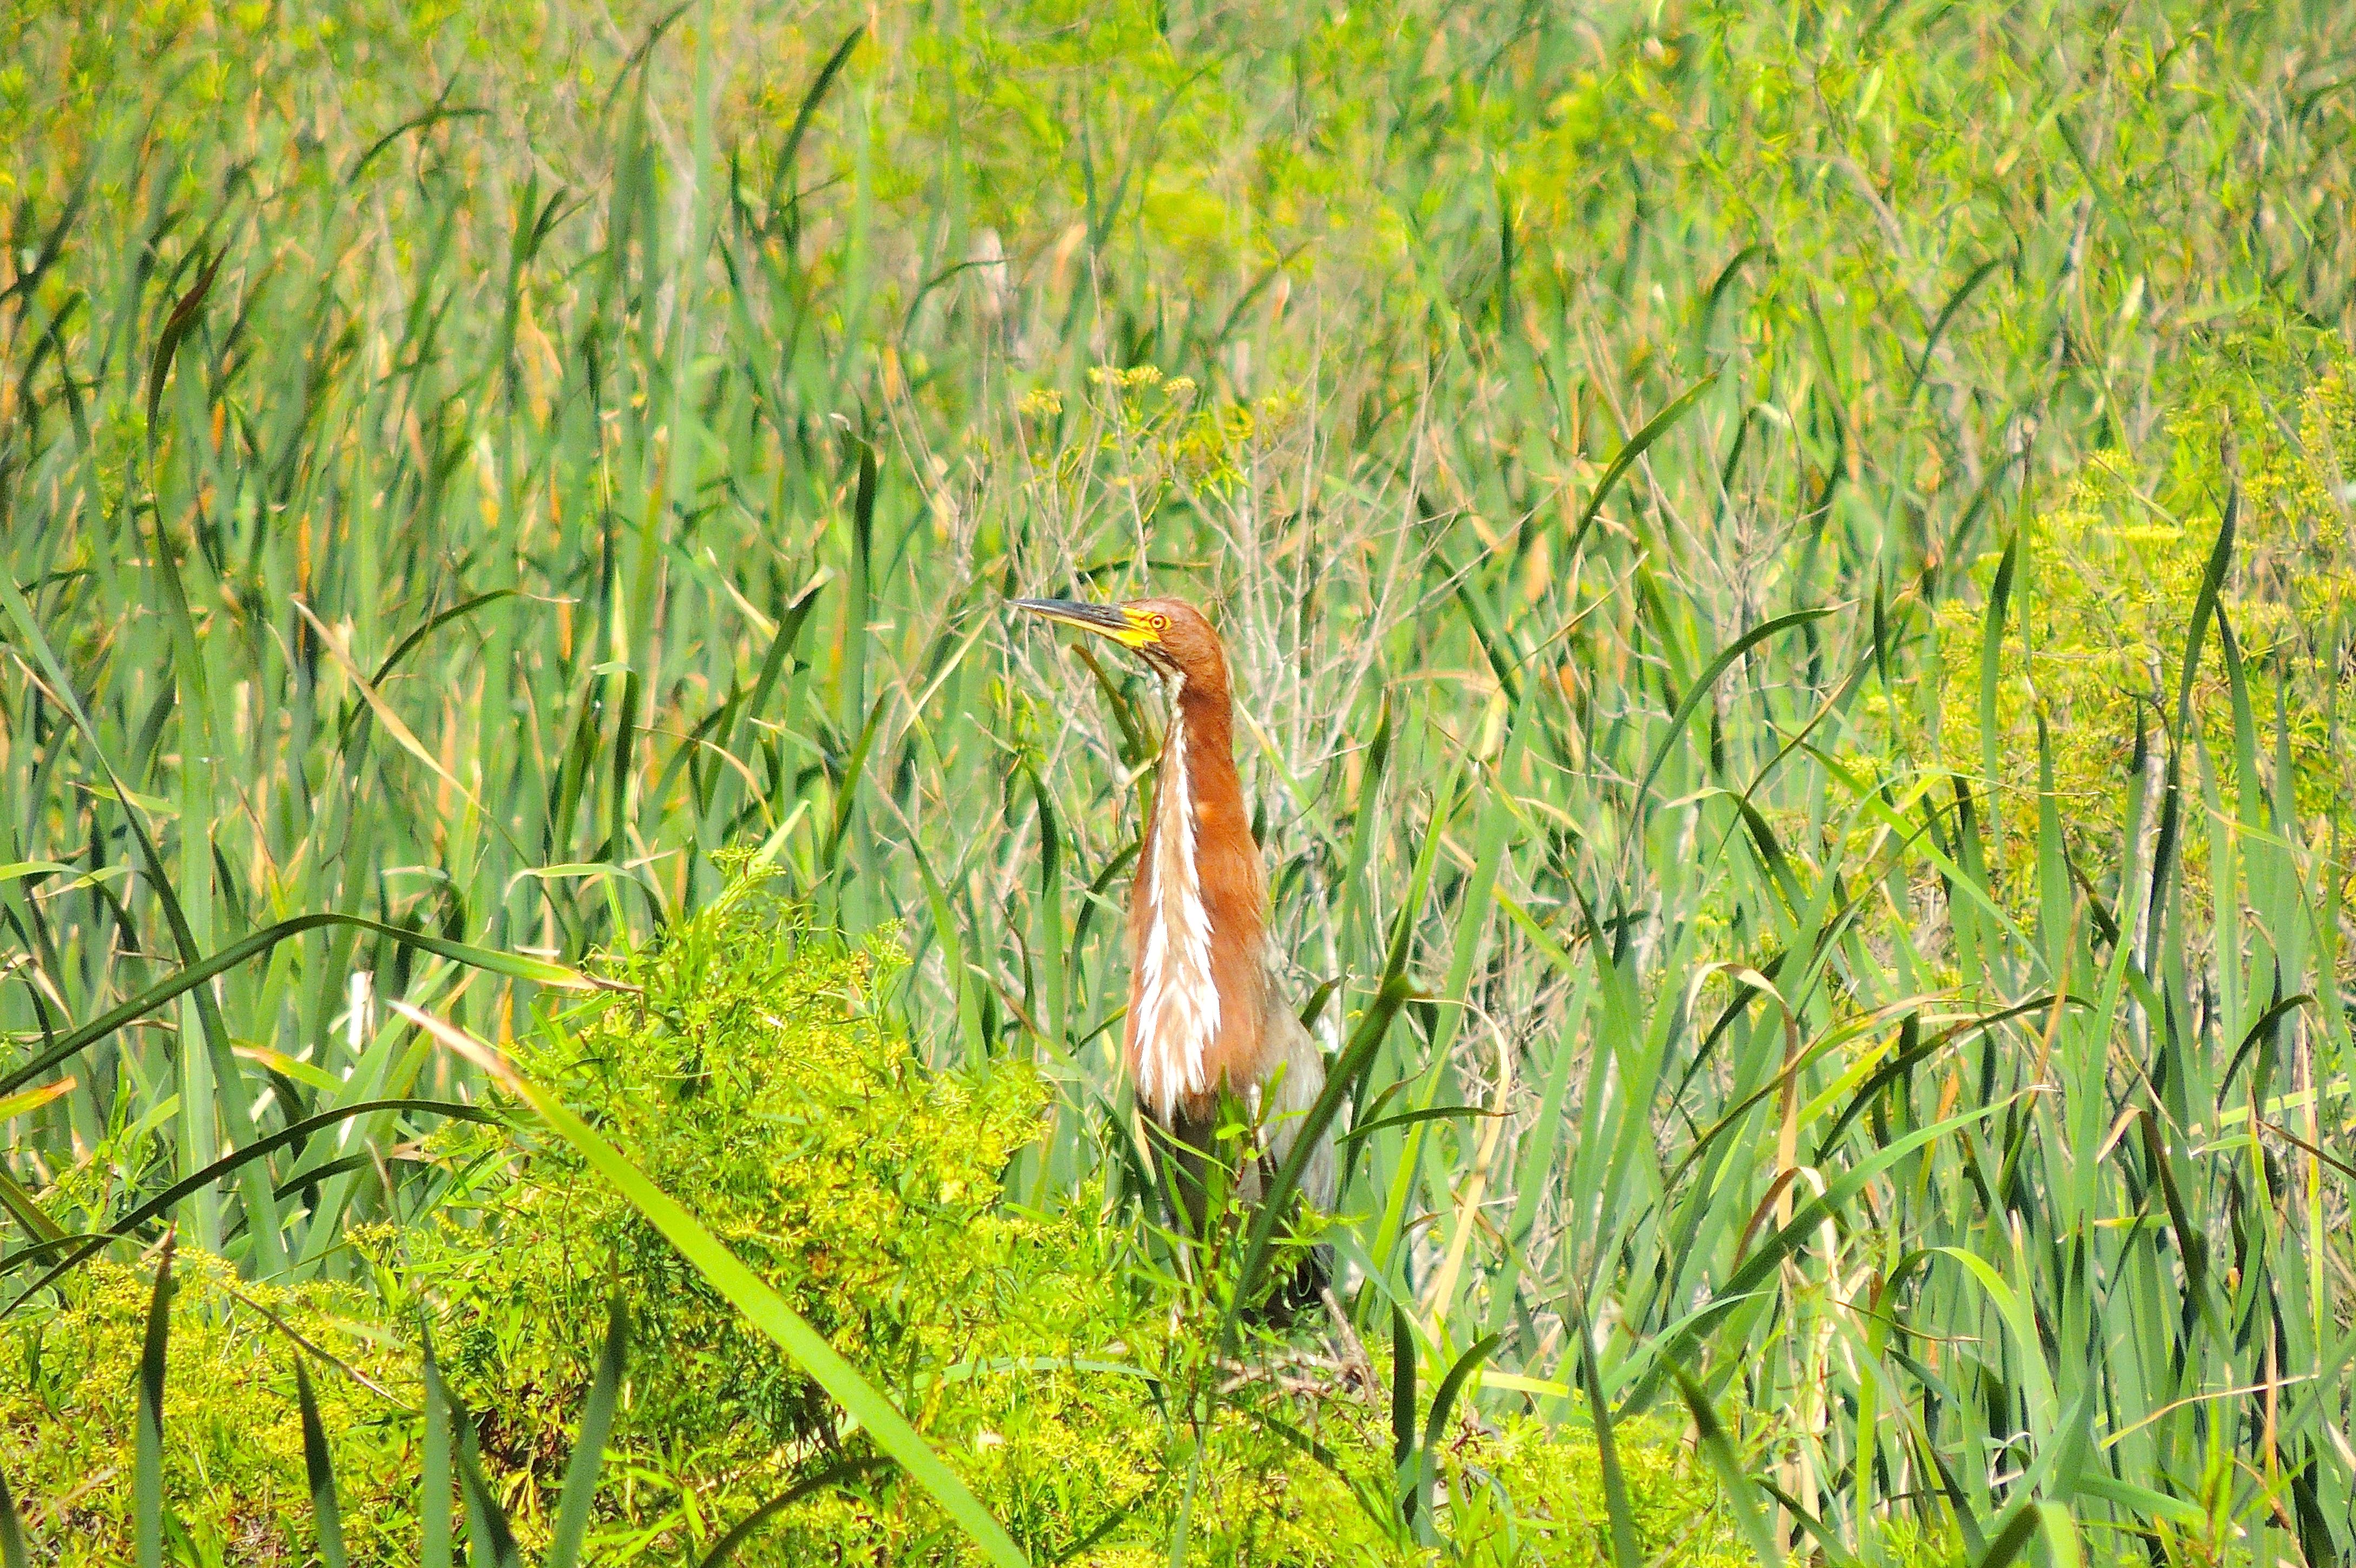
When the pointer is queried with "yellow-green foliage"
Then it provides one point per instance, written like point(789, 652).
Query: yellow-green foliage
point(1529, 1493)
point(2106, 582)
point(233, 1440)
point(747, 1075)
point(751, 1073)
point(1061, 1456)
point(753, 1079)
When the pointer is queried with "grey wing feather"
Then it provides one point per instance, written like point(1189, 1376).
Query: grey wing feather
point(1291, 1089)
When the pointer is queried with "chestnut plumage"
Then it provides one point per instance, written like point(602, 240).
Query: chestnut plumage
point(1205, 1012)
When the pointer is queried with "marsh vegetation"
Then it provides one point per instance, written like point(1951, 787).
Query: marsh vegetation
point(1788, 577)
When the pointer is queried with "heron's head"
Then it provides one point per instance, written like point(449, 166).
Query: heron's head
point(1169, 635)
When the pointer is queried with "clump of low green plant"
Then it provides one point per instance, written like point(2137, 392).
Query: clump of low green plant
point(747, 1071)
point(1528, 1493)
point(234, 1469)
point(2103, 588)
point(1055, 1361)
point(1075, 1382)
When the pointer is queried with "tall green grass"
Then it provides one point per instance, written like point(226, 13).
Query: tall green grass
point(458, 475)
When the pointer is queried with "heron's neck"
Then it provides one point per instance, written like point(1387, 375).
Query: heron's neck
point(1198, 797)
point(1203, 734)
point(1197, 896)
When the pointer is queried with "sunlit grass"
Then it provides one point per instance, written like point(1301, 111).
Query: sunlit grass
point(1604, 442)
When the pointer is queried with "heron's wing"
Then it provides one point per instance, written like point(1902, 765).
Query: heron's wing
point(1294, 1082)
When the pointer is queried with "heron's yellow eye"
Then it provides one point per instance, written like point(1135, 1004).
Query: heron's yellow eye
point(1158, 621)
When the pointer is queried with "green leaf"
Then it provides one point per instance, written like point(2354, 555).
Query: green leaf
point(2010, 1541)
point(1659, 425)
point(589, 1446)
point(490, 1540)
point(782, 185)
point(319, 1471)
point(1355, 1057)
point(1444, 1406)
point(1753, 1272)
point(1409, 1118)
point(1992, 652)
point(1624, 1551)
point(176, 327)
point(1955, 302)
point(229, 1164)
point(2204, 608)
point(1733, 1481)
point(12, 1531)
point(229, 1100)
point(20, 1203)
point(147, 1474)
point(434, 1510)
point(1403, 1454)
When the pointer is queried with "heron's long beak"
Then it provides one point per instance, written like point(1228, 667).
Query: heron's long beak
point(1105, 620)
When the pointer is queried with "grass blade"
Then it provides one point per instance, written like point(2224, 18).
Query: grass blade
point(26, 1212)
point(1635, 447)
point(319, 1471)
point(433, 1509)
point(490, 1539)
point(1736, 1485)
point(1443, 1403)
point(1999, 601)
point(1444, 1406)
point(1403, 1457)
point(2026, 1523)
point(1624, 1552)
point(1709, 678)
point(12, 1531)
point(176, 327)
point(2204, 610)
point(228, 1165)
point(230, 1099)
point(1355, 1059)
point(781, 179)
point(147, 1474)
point(589, 1448)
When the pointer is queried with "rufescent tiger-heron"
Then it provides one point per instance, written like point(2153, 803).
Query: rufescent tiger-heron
point(1206, 1011)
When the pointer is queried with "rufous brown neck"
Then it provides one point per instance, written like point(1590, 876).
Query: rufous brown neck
point(1223, 835)
point(1198, 919)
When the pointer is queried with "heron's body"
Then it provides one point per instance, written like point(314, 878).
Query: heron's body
point(1205, 1012)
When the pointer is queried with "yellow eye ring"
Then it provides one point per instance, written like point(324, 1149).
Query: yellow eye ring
point(1158, 621)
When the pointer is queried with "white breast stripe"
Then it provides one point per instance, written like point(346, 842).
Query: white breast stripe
point(1177, 1006)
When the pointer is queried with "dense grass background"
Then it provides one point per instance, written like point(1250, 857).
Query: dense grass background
point(1718, 514)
